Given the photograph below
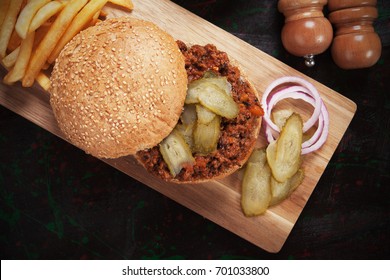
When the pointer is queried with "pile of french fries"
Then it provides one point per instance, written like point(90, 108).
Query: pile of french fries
point(33, 33)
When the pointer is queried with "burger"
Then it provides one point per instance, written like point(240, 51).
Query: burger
point(125, 87)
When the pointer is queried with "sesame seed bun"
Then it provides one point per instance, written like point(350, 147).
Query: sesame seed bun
point(118, 87)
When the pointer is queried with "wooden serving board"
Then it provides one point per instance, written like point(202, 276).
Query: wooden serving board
point(218, 201)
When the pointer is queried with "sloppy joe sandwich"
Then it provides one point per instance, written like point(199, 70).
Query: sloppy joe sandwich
point(218, 128)
point(118, 87)
point(126, 87)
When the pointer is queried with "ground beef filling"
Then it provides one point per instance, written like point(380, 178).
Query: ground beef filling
point(236, 137)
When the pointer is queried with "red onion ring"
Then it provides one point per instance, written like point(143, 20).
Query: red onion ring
point(312, 91)
point(323, 135)
point(297, 92)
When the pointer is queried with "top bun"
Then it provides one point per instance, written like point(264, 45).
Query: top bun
point(118, 87)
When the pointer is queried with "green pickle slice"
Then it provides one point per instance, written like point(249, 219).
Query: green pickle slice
point(214, 99)
point(256, 191)
point(175, 152)
point(281, 190)
point(208, 99)
point(206, 136)
point(204, 115)
point(284, 154)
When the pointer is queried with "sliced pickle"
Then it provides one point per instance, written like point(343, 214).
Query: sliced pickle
point(206, 136)
point(209, 74)
point(194, 88)
point(280, 117)
point(175, 152)
point(271, 153)
point(188, 116)
point(199, 129)
point(256, 190)
point(257, 156)
point(281, 190)
point(284, 155)
point(204, 115)
point(214, 99)
point(186, 131)
point(197, 86)
point(222, 83)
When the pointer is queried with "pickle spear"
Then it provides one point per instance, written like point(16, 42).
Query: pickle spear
point(284, 154)
point(176, 152)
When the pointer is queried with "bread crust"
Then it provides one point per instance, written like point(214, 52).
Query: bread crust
point(118, 87)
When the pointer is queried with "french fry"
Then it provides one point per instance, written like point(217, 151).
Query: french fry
point(26, 15)
point(78, 23)
point(9, 61)
point(96, 16)
point(94, 20)
point(8, 25)
point(45, 13)
point(127, 4)
point(45, 66)
point(17, 72)
point(3, 11)
point(48, 43)
point(14, 41)
point(40, 33)
point(43, 80)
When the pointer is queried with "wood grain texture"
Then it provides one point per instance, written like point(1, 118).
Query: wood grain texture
point(218, 201)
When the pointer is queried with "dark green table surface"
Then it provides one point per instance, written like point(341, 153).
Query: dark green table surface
point(56, 202)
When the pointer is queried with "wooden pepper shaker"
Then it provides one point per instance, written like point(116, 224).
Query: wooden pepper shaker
point(306, 31)
point(356, 45)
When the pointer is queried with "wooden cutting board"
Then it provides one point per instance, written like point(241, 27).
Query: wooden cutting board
point(218, 201)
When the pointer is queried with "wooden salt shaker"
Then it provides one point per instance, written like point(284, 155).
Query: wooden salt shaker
point(306, 31)
point(356, 45)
